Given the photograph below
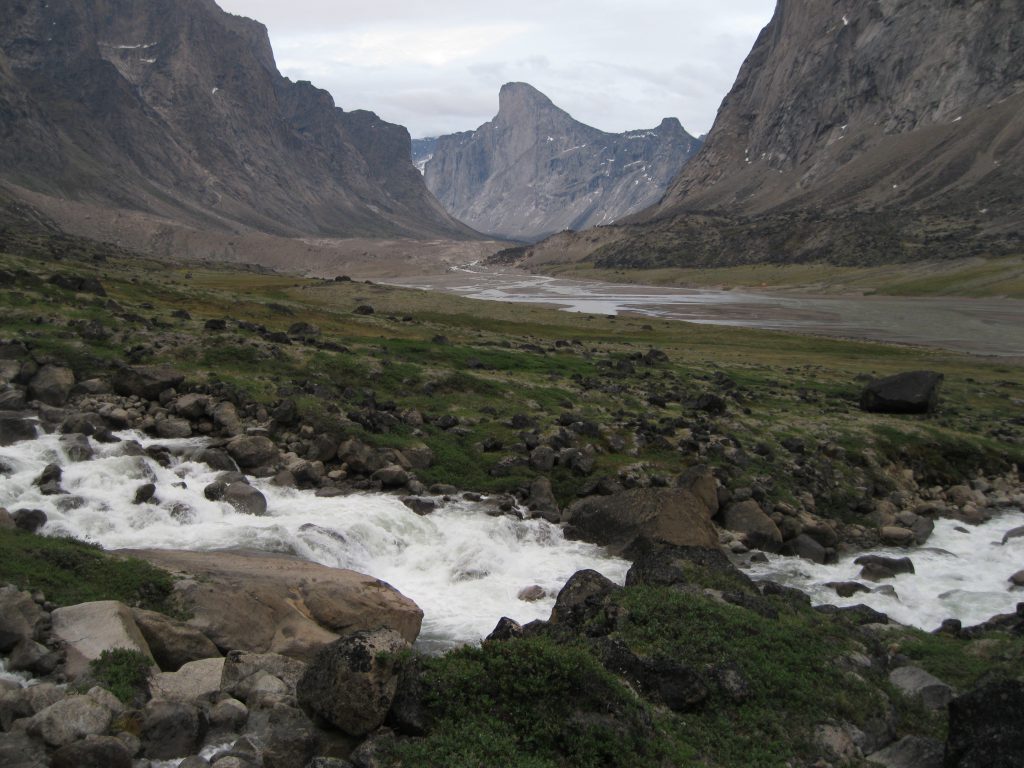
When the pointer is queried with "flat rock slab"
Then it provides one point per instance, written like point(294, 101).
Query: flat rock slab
point(262, 602)
point(88, 629)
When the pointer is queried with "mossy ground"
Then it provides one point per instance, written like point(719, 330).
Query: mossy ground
point(70, 572)
point(497, 360)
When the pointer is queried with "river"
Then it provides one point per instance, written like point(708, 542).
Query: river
point(992, 327)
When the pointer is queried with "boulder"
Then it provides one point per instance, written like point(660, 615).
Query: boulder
point(288, 738)
point(145, 381)
point(664, 566)
point(391, 476)
point(17, 750)
point(173, 643)
point(877, 567)
point(909, 752)
point(30, 520)
point(242, 671)
point(352, 682)
point(542, 500)
point(71, 719)
point(13, 400)
point(225, 417)
point(245, 499)
point(757, 529)
point(93, 752)
point(30, 656)
point(917, 683)
point(171, 729)
point(582, 598)
point(253, 451)
point(896, 536)
point(985, 727)
point(173, 428)
point(88, 629)
point(192, 406)
point(20, 618)
point(76, 447)
point(263, 602)
point(51, 385)
point(913, 392)
point(670, 515)
point(14, 429)
point(806, 547)
point(228, 715)
point(505, 629)
point(194, 680)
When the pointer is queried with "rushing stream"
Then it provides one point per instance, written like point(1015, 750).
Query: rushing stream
point(463, 567)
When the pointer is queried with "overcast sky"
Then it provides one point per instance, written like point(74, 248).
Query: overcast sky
point(436, 67)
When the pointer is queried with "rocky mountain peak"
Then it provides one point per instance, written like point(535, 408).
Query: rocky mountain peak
point(534, 170)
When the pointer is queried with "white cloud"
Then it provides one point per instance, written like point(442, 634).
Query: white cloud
point(437, 67)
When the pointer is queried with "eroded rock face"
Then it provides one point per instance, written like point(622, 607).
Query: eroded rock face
point(261, 602)
point(188, 98)
point(352, 682)
point(534, 170)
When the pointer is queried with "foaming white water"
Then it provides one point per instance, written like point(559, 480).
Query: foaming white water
point(464, 568)
point(961, 573)
point(23, 679)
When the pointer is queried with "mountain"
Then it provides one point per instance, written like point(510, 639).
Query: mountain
point(176, 109)
point(534, 170)
point(866, 132)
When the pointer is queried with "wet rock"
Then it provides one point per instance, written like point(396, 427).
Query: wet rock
point(532, 594)
point(30, 656)
point(253, 451)
point(666, 566)
point(668, 515)
point(12, 400)
point(877, 567)
point(52, 385)
point(913, 392)
point(76, 447)
point(288, 738)
point(419, 505)
point(245, 499)
point(985, 727)
point(847, 588)
point(542, 500)
point(757, 529)
point(14, 429)
point(896, 536)
point(1017, 579)
point(93, 752)
point(171, 729)
point(69, 720)
point(30, 520)
point(49, 479)
point(144, 493)
point(917, 683)
point(806, 547)
point(1014, 533)
point(351, 682)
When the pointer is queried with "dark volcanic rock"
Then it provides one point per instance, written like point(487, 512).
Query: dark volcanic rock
point(533, 170)
point(914, 392)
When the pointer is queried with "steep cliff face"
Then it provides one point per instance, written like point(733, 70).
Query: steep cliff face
point(175, 108)
point(856, 132)
point(534, 170)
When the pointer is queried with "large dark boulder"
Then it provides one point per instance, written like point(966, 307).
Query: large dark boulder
point(673, 516)
point(253, 451)
point(985, 727)
point(51, 385)
point(13, 429)
point(913, 392)
point(582, 599)
point(352, 682)
point(171, 729)
point(758, 530)
point(93, 752)
point(146, 381)
point(664, 566)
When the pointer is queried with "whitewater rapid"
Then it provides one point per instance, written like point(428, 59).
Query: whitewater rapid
point(464, 568)
point(961, 573)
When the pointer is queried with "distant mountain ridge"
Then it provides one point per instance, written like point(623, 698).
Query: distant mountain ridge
point(534, 170)
point(859, 133)
point(175, 108)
